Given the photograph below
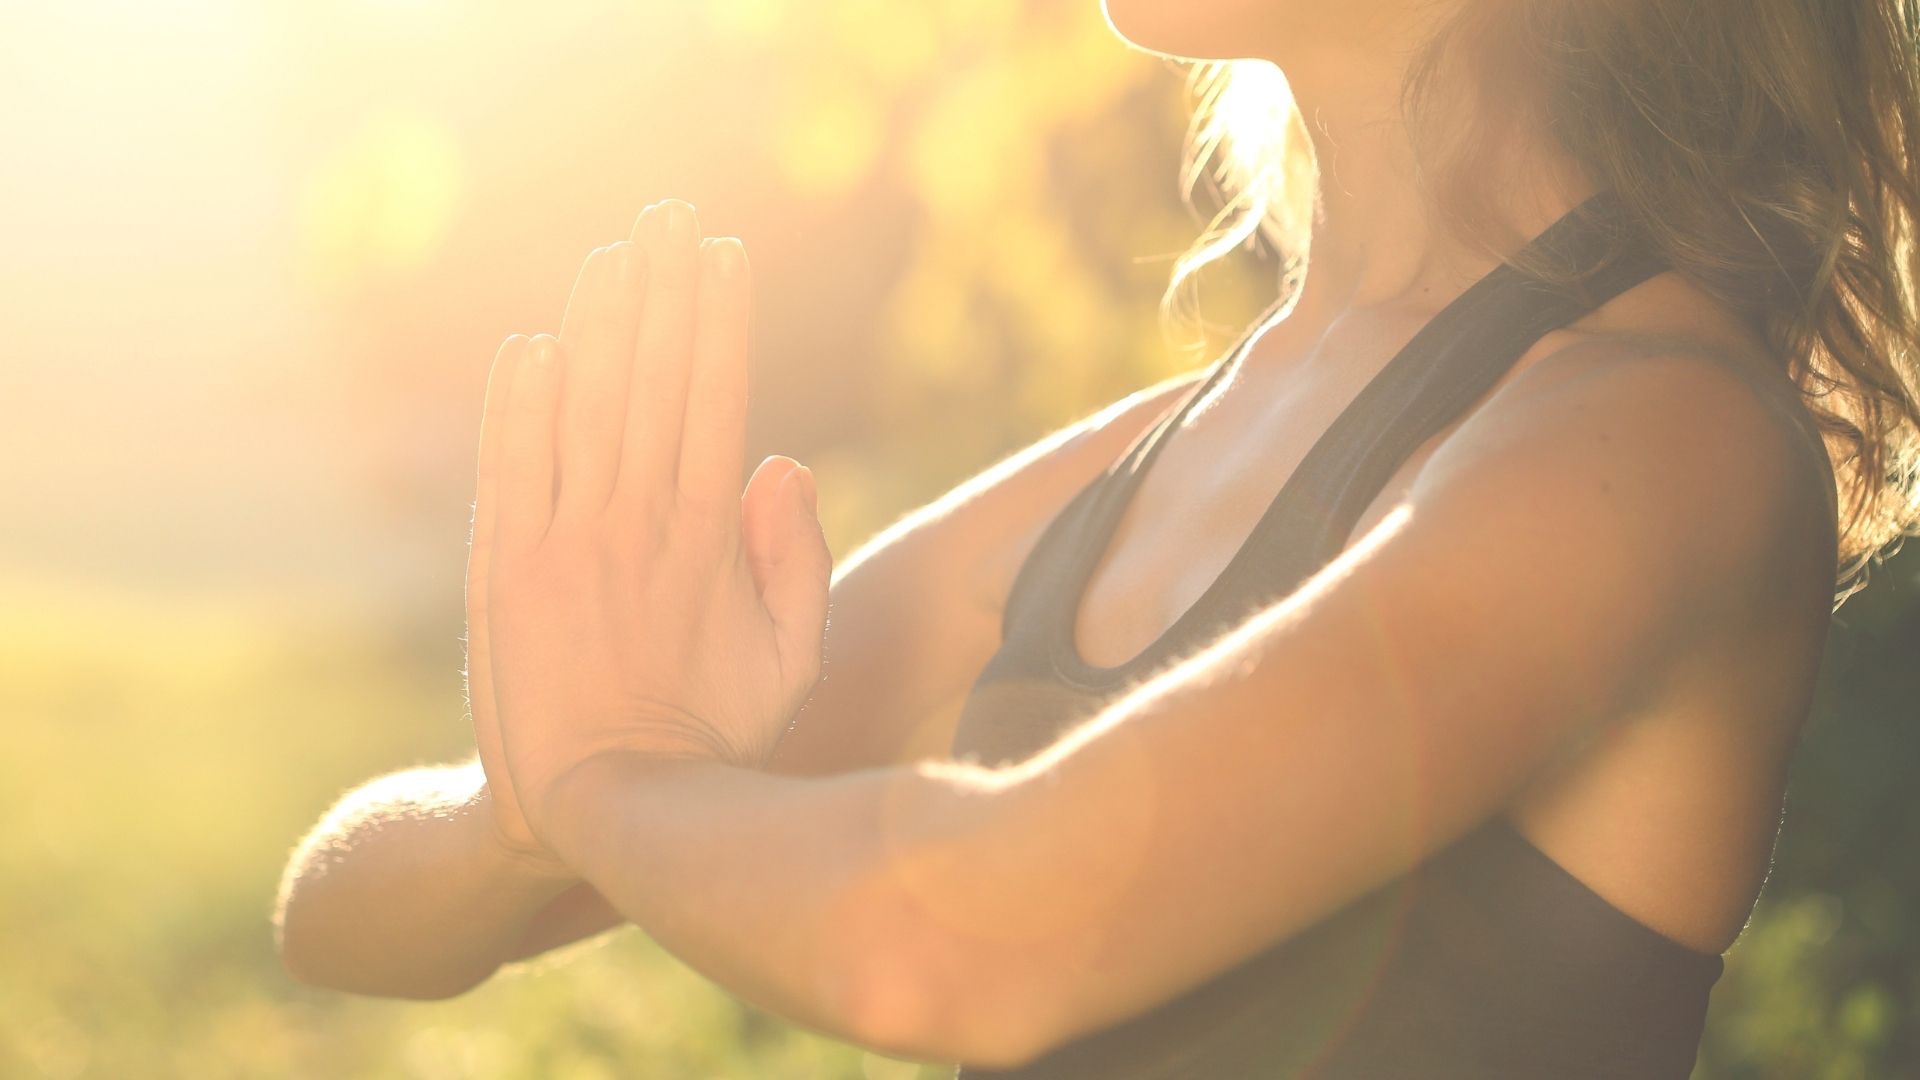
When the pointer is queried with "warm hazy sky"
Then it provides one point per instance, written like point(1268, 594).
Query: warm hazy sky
point(255, 256)
point(210, 211)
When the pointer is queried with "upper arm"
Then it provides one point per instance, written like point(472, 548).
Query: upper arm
point(915, 612)
point(1601, 518)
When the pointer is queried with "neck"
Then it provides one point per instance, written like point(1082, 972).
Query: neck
point(1377, 245)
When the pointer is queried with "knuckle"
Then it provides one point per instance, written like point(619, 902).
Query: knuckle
point(688, 541)
point(706, 510)
point(560, 538)
point(631, 520)
point(593, 267)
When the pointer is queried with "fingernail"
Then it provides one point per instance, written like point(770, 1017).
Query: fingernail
point(808, 489)
point(542, 351)
point(680, 222)
point(729, 256)
point(653, 222)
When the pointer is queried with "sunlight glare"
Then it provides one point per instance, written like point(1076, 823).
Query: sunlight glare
point(831, 140)
point(382, 204)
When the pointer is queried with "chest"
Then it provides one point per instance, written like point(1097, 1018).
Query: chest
point(1207, 503)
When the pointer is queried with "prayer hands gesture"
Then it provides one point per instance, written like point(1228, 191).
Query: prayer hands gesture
point(623, 594)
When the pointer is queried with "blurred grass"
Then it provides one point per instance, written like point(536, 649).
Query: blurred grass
point(159, 761)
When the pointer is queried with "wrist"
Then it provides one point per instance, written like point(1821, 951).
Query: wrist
point(580, 808)
point(517, 859)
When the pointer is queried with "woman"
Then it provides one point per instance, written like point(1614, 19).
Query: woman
point(1461, 755)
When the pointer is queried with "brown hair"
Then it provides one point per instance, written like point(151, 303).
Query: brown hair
point(1770, 149)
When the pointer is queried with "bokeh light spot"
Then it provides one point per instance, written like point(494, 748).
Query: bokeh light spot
point(382, 204)
point(830, 140)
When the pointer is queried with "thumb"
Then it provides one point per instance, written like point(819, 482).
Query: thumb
point(797, 577)
point(766, 518)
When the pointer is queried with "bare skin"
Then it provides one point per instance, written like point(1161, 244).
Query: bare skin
point(443, 887)
point(1440, 667)
point(1595, 605)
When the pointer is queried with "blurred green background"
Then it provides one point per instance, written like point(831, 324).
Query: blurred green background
point(255, 261)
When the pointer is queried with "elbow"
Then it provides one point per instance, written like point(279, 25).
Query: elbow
point(904, 1014)
point(301, 956)
point(324, 971)
point(913, 989)
point(297, 960)
point(941, 962)
point(316, 953)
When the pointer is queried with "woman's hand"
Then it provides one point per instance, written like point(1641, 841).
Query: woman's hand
point(636, 600)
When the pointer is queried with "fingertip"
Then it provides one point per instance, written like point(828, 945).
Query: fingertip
point(543, 350)
point(593, 272)
point(643, 221)
point(727, 256)
point(788, 479)
point(767, 477)
point(500, 373)
point(682, 222)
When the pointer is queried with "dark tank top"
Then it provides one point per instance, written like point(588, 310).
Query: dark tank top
point(1485, 961)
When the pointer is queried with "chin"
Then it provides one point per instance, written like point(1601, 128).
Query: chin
point(1192, 29)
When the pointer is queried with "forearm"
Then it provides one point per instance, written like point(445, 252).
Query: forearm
point(797, 894)
point(402, 891)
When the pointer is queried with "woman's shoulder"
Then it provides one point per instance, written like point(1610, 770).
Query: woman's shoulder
point(1707, 440)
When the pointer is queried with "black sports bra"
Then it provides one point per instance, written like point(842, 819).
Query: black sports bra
point(1486, 961)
